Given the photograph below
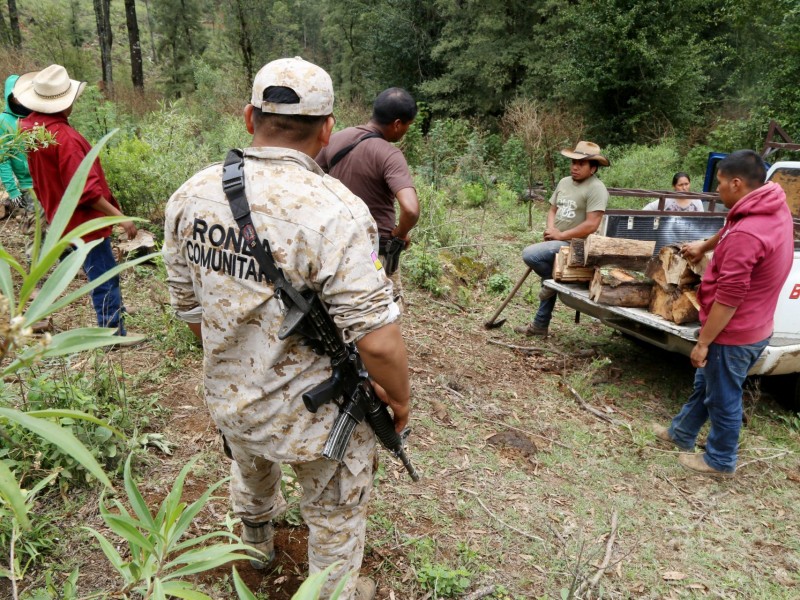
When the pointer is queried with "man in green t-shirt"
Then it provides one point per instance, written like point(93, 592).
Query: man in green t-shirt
point(576, 209)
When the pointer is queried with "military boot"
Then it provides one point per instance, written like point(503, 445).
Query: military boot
point(261, 537)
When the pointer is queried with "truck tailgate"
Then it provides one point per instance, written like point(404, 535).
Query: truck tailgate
point(780, 357)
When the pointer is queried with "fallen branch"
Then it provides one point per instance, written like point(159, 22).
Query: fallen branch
point(499, 520)
point(587, 407)
point(451, 305)
point(528, 349)
point(765, 459)
point(592, 583)
point(481, 593)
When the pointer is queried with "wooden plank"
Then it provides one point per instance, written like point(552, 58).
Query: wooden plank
point(563, 272)
point(600, 250)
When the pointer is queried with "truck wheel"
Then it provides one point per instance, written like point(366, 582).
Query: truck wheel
point(786, 389)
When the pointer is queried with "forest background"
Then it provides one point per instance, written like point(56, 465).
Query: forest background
point(502, 86)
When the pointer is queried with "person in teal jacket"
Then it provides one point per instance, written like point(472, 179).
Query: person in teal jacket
point(14, 169)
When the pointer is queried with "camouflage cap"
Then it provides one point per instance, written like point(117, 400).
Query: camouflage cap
point(311, 83)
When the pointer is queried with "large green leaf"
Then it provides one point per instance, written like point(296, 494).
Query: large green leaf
point(48, 305)
point(61, 437)
point(135, 497)
point(6, 281)
point(10, 492)
point(182, 589)
point(202, 539)
point(67, 413)
point(88, 287)
point(70, 342)
point(190, 513)
point(126, 528)
point(241, 588)
point(72, 195)
point(171, 506)
point(208, 553)
point(224, 557)
point(111, 554)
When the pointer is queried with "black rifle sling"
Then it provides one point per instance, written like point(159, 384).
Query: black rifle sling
point(233, 186)
point(346, 150)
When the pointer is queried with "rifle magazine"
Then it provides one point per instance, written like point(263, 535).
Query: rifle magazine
point(339, 437)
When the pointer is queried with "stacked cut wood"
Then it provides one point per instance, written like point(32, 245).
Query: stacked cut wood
point(563, 271)
point(675, 279)
point(618, 264)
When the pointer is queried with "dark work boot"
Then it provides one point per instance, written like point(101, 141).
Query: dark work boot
point(260, 536)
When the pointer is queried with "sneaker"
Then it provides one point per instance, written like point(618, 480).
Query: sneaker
point(365, 589)
point(261, 537)
point(697, 463)
point(531, 330)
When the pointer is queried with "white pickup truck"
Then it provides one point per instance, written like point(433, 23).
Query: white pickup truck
point(780, 357)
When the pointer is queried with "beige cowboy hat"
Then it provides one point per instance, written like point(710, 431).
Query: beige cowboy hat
point(586, 151)
point(47, 91)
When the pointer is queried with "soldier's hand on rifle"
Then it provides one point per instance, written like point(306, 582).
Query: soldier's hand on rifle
point(400, 410)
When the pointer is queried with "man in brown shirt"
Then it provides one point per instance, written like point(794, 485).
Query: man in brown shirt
point(366, 161)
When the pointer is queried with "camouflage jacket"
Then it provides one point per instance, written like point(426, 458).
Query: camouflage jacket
point(323, 238)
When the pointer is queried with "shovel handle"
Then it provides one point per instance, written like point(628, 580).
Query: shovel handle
point(513, 293)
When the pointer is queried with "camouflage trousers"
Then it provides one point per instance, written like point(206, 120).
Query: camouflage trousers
point(333, 505)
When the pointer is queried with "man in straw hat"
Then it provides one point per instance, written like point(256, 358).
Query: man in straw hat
point(576, 208)
point(323, 239)
point(50, 94)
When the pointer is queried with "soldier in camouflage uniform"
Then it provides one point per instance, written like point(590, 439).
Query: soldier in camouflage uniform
point(323, 238)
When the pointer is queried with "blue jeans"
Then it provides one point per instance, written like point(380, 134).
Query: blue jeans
point(717, 396)
point(540, 257)
point(106, 297)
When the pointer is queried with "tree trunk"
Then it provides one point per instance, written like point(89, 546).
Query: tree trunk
point(137, 73)
point(153, 50)
point(5, 34)
point(600, 250)
point(102, 10)
point(13, 19)
point(620, 287)
point(245, 42)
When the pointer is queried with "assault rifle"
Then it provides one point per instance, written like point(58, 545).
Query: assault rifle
point(349, 381)
point(308, 317)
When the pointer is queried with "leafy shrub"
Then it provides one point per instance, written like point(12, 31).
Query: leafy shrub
point(95, 116)
point(474, 195)
point(98, 394)
point(146, 169)
point(443, 581)
point(435, 227)
point(424, 270)
point(499, 284)
point(644, 167)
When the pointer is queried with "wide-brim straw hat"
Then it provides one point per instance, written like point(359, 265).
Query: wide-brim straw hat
point(586, 151)
point(47, 91)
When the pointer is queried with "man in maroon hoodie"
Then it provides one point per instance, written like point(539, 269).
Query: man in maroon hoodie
point(50, 95)
point(752, 257)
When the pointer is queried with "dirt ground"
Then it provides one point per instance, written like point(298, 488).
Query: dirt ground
point(539, 471)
